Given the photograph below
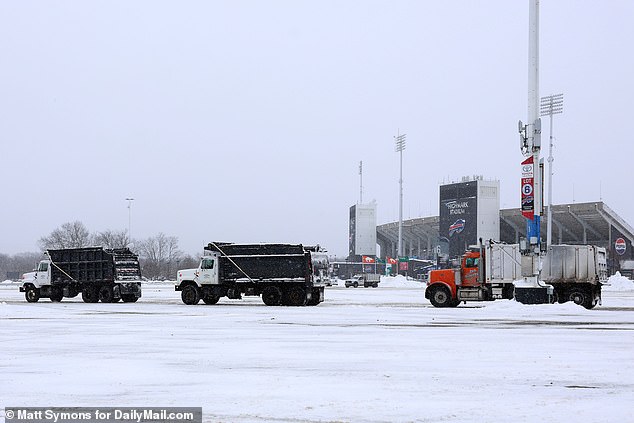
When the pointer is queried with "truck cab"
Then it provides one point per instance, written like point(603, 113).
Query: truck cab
point(442, 284)
point(37, 284)
point(468, 281)
point(205, 274)
point(40, 276)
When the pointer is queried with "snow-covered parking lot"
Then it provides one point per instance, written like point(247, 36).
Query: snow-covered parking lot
point(364, 355)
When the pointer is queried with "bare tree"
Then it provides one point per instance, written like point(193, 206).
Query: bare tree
point(12, 267)
point(69, 235)
point(111, 239)
point(159, 256)
point(187, 262)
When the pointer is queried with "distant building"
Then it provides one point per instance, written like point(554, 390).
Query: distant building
point(362, 231)
point(591, 223)
point(469, 210)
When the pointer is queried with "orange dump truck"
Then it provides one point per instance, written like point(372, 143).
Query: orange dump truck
point(484, 273)
point(489, 272)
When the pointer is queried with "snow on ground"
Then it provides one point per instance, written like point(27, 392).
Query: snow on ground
point(401, 282)
point(618, 283)
point(364, 355)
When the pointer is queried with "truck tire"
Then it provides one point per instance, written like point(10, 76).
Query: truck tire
point(295, 297)
point(105, 294)
point(211, 299)
point(440, 297)
point(129, 298)
point(190, 295)
point(581, 297)
point(356, 284)
point(57, 294)
point(272, 296)
point(32, 294)
point(90, 295)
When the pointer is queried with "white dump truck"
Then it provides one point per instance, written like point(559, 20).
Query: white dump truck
point(98, 274)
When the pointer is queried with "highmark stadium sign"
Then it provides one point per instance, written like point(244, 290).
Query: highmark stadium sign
point(457, 207)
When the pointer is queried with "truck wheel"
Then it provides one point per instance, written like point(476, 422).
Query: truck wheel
point(190, 295)
point(356, 284)
point(56, 295)
point(295, 297)
point(32, 294)
point(272, 296)
point(211, 299)
point(90, 295)
point(129, 298)
point(440, 297)
point(582, 298)
point(105, 294)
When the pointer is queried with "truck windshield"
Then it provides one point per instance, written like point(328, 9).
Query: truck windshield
point(471, 262)
point(207, 264)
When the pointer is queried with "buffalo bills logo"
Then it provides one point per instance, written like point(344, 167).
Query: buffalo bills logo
point(457, 227)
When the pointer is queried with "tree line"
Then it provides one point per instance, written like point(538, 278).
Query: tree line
point(159, 255)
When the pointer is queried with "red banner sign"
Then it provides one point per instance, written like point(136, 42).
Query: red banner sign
point(528, 185)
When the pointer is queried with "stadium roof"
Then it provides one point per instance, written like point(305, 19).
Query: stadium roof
point(576, 223)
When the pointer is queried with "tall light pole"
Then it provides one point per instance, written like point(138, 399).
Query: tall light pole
point(400, 146)
point(551, 105)
point(361, 182)
point(129, 200)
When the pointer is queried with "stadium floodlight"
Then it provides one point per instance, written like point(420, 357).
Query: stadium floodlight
point(400, 146)
point(129, 200)
point(549, 106)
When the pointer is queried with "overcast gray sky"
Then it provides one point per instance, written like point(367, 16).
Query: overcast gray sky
point(245, 120)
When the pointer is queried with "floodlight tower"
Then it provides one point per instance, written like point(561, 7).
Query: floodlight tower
point(361, 182)
point(400, 146)
point(129, 200)
point(551, 105)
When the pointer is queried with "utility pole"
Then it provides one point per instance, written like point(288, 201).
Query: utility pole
point(400, 146)
point(129, 200)
point(551, 105)
point(530, 291)
point(361, 182)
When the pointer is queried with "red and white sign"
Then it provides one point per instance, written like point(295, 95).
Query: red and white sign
point(528, 184)
point(367, 259)
point(620, 246)
point(391, 260)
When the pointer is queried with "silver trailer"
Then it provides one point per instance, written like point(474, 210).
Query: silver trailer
point(576, 272)
point(503, 263)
